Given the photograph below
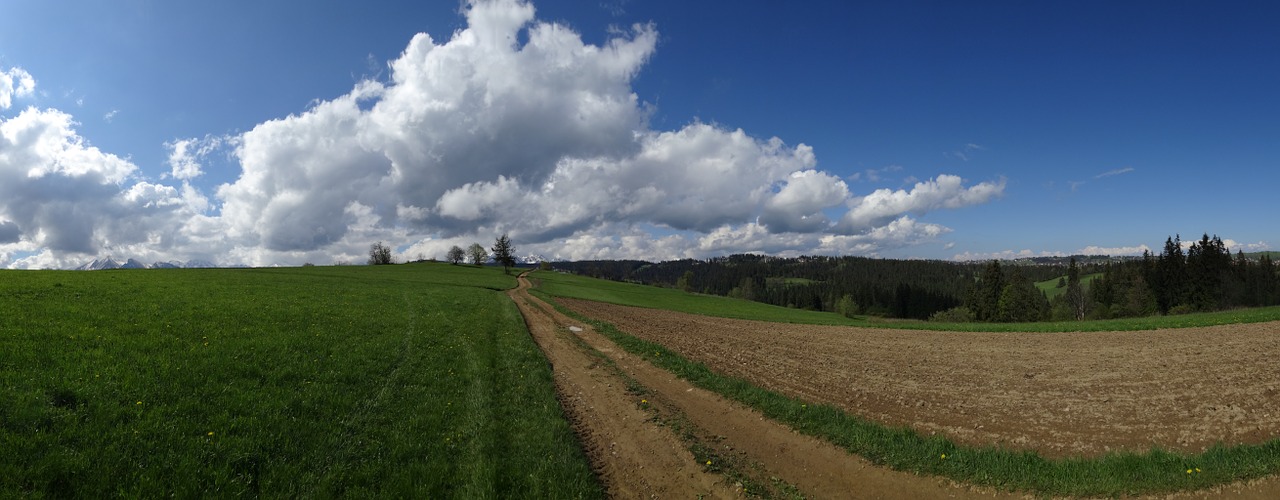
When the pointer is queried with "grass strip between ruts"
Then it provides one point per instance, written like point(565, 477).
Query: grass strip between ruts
point(1117, 473)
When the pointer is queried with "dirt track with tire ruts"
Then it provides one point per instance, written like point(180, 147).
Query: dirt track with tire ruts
point(637, 457)
point(1060, 394)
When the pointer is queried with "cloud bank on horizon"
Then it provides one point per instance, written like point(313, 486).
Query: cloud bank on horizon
point(511, 125)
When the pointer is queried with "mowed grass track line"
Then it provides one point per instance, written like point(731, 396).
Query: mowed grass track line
point(412, 380)
point(631, 294)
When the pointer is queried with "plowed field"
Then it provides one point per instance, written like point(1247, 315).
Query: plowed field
point(1060, 394)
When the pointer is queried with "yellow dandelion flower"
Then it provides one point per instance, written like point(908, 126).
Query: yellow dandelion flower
point(139, 402)
point(708, 462)
point(1188, 471)
point(644, 401)
point(210, 433)
point(1197, 469)
point(944, 456)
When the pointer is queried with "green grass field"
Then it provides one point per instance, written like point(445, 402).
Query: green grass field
point(630, 294)
point(1114, 474)
point(1051, 290)
point(408, 381)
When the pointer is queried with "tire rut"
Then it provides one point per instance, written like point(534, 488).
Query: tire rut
point(635, 457)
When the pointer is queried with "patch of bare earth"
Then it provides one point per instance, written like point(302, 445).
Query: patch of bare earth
point(637, 457)
point(1060, 394)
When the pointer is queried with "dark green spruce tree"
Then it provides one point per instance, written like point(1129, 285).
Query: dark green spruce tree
point(504, 253)
point(984, 301)
point(1075, 292)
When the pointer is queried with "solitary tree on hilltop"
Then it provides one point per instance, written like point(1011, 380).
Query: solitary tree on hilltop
point(456, 255)
point(379, 254)
point(504, 253)
point(478, 254)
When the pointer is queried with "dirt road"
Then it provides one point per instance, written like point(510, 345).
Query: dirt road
point(637, 457)
point(1059, 394)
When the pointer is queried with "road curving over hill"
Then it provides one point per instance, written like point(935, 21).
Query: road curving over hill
point(637, 456)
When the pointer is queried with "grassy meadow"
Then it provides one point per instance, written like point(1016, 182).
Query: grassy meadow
point(414, 380)
point(631, 294)
point(1051, 289)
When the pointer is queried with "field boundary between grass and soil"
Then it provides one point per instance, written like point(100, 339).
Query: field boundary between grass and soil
point(651, 297)
point(1123, 473)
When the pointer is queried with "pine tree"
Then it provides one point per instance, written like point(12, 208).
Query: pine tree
point(1021, 301)
point(1075, 291)
point(985, 301)
point(504, 253)
point(1170, 276)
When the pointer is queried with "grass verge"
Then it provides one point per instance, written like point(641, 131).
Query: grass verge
point(630, 294)
point(405, 381)
point(1155, 471)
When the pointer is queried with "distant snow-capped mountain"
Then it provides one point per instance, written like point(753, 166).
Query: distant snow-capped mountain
point(532, 258)
point(99, 264)
point(110, 263)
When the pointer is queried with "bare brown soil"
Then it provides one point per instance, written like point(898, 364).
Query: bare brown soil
point(636, 457)
point(1060, 394)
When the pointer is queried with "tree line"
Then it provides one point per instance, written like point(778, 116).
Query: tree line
point(1205, 277)
point(847, 285)
point(503, 253)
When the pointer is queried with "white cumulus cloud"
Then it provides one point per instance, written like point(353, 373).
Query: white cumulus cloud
point(186, 155)
point(510, 125)
point(64, 200)
point(943, 192)
point(15, 82)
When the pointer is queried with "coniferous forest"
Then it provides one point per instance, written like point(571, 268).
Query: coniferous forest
point(1204, 277)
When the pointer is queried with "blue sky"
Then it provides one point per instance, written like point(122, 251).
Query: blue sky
point(285, 132)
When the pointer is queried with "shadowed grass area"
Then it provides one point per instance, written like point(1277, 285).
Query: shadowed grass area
point(631, 294)
point(410, 381)
point(1155, 471)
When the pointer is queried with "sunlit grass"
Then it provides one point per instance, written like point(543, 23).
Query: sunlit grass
point(411, 381)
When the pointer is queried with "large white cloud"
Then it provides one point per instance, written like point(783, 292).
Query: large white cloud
point(944, 192)
point(511, 125)
point(64, 201)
